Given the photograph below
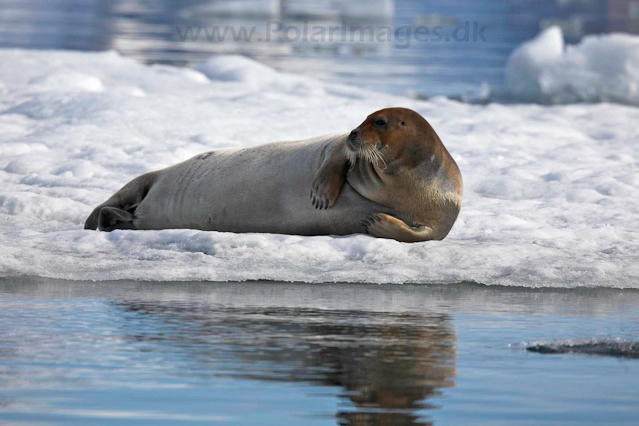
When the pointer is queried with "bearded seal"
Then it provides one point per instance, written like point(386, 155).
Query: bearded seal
point(391, 177)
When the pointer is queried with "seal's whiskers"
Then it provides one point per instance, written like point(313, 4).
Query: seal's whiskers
point(372, 155)
point(352, 158)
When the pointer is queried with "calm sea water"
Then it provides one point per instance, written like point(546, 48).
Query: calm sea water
point(272, 353)
point(147, 30)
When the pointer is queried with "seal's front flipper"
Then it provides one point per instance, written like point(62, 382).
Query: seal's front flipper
point(385, 226)
point(111, 218)
point(330, 177)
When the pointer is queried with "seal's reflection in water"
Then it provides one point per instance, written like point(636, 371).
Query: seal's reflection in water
point(387, 364)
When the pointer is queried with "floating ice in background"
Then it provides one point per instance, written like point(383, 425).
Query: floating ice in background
point(619, 348)
point(323, 9)
point(551, 193)
point(526, 64)
point(293, 9)
point(599, 68)
point(269, 9)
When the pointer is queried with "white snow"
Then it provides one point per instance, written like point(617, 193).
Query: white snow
point(599, 68)
point(551, 192)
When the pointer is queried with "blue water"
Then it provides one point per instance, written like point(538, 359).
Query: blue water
point(274, 353)
point(147, 31)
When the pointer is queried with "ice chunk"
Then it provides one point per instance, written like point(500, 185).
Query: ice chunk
point(619, 348)
point(599, 68)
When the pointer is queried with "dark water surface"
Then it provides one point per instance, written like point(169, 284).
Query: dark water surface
point(274, 353)
point(147, 30)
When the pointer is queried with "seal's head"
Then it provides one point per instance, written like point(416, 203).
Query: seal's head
point(394, 136)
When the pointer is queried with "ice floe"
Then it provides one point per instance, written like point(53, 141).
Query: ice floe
point(551, 192)
point(599, 68)
point(619, 348)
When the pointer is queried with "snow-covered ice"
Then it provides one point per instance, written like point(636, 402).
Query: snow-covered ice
point(599, 68)
point(551, 192)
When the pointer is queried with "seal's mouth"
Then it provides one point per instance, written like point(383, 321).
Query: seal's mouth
point(353, 144)
point(355, 149)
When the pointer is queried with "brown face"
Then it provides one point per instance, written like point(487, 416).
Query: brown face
point(397, 136)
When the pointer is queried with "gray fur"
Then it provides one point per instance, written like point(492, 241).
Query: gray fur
point(259, 189)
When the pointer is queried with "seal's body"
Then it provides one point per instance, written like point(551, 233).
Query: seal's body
point(266, 189)
point(260, 189)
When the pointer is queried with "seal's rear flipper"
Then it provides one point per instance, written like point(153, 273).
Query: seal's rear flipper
point(111, 218)
point(117, 211)
point(92, 221)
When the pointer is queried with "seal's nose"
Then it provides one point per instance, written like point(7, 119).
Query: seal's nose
point(353, 139)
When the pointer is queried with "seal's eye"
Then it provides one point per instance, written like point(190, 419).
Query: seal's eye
point(403, 124)
point(381, 122)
